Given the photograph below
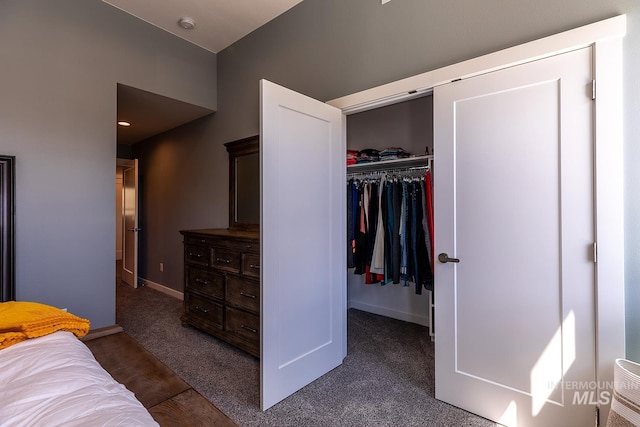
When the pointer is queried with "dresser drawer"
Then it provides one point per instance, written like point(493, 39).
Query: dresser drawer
point(226, 259)
point(243, 293)
point(238, 245)
point(207, 282)
point(243, 324)
point(251, 265)
point(204, 309)
point(200, 255)
point(199, 240)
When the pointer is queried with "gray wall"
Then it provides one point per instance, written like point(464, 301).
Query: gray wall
point(60, 63)
point(331, 48)
point(184, 184)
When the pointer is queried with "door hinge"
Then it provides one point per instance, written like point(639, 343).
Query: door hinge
point(595, 252)
point(597, 416)
point(593, 90)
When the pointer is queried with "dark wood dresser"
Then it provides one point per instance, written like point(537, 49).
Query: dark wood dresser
point(222, 285)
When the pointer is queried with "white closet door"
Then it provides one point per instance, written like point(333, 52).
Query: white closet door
point(303, 217)
point(514, 203)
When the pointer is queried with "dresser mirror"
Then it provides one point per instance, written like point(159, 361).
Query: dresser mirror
point(244, 183)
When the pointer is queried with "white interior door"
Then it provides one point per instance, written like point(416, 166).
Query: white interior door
point(130, 218)
point(303, 217)
point(514, 203)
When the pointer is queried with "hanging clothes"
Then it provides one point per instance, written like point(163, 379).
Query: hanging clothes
point(391, 228)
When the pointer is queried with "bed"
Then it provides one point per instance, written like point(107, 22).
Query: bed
point(53, 380)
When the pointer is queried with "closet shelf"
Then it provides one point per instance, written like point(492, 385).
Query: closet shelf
point(390, 164)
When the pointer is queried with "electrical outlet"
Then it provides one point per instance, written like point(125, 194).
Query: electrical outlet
point(161, 267)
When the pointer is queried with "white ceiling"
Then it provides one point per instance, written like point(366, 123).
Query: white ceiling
point(219, 23)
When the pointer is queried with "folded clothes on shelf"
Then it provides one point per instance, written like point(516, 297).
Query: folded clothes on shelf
point(368, 155)
point(394, 153)
point(352, 157)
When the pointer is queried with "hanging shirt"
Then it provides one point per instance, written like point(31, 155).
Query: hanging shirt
point(372, 228)
point(404, 232)
point(396, 201)
point(429, 190)
point(361, 236)
point(377, 258)
point(425, 223)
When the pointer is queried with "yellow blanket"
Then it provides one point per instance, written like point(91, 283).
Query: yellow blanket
point(20, 320)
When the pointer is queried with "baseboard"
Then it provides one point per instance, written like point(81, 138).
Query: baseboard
point(102, 332)
point(162, 288)
point(399, 315)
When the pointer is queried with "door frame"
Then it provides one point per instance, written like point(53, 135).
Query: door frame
point(606, 39)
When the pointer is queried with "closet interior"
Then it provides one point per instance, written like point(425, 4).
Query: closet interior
point(407, 125)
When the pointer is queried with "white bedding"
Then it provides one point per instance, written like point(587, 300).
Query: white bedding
point(55, 381)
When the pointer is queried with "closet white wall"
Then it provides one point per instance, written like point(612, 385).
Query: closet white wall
point(409, 125)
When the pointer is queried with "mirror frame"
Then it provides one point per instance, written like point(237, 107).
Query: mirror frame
point(239, 148)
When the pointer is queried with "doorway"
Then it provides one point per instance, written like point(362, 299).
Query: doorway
point(148, 114)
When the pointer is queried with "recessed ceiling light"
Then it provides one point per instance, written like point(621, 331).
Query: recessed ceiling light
point(123, 123)
point(187, 23)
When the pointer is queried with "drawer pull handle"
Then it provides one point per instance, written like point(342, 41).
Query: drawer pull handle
point(203, 282)
point(204, 310)
point(248, 246)
point(256, 266)
point(226, 261)
point(255, 331)
point(195, 255)
point(248, 295)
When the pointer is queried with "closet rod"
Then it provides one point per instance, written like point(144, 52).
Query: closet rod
point(390, 164)
point(413, 171)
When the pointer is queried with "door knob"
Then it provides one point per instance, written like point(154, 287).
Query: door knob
point(444, 258)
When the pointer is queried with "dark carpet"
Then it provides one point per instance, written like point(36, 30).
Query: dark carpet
point(387, 378)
